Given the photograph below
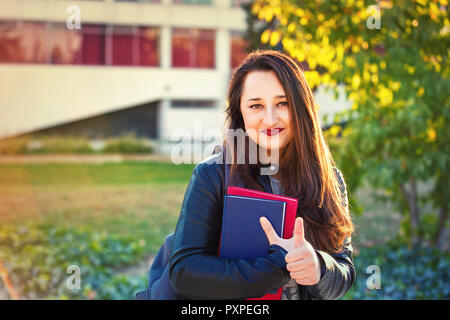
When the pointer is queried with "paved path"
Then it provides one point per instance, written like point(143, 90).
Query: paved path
point(88, 158)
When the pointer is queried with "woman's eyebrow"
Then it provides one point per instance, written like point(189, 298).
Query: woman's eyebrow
point(276, 97)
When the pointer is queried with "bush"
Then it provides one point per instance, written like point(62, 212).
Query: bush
point(42, 144)
point(127, 144)
point(37, 258)
point(406, 273)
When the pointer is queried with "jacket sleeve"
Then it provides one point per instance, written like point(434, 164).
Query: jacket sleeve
point(195, 270)
point(338, 272)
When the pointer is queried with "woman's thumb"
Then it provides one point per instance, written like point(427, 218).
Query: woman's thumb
point(269, 231)
point(299, 233)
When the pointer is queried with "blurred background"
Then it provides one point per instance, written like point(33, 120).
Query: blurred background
point(97, 99)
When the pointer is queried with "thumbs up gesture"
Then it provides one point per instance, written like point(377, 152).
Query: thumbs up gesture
point(302, 261)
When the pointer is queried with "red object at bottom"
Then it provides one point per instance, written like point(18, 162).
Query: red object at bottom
point(270, 296)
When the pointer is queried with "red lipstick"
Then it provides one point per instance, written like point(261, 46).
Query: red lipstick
point(272, 132)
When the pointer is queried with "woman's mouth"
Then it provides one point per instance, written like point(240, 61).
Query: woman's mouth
point(272, 132)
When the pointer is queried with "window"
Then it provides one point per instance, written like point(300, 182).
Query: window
point(194, 2)
point(23, 42)
point(47, 42)
point(148, 46)
point(123, 46)
point(238, 49)
point(193, 104)
point(135, 46)
point(93, 47)
point(240, 3)
point(193, 48)
point(149, 1)
point(65, 44)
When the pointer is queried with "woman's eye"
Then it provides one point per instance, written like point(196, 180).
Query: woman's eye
point(283, 104)
point(255, 106)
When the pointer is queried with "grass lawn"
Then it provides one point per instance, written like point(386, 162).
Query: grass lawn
point(137, 199)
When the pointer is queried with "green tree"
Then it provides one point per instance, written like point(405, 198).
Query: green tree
point(392, 58)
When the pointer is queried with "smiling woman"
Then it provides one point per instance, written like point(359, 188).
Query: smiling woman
point(270, 101)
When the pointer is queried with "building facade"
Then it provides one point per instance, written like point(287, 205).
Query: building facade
point(93, 67)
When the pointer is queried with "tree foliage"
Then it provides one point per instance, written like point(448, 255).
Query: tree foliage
point(392, 58)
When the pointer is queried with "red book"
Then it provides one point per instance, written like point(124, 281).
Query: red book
point(291, 213)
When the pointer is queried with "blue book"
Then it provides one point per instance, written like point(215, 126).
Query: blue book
point(242, 235)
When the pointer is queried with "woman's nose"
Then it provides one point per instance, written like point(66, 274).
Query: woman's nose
point(270, 117)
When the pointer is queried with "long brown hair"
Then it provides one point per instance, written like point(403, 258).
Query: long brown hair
point(306, 166)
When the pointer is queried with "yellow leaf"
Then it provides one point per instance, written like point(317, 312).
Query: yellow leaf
point(356, 81)
point(275, 38)
point(326, 78)
point(350, 61)
point(394, 34)
point(291, 27)
point(420, 92)
point(265, 36)
point(373, 68)
point(355, 48)
point(375, 79)
point(340, 52)
point(268, 14)
point(299, 12)
point(431, 134)
point(334, 130)
point(312, 77)
point(395, 85)
point(366, 76)
point(385, 95)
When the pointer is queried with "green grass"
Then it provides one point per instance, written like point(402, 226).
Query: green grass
point(94, 174)
point(141, 199)
point(138, 199)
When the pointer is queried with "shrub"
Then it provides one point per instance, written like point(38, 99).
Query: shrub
point(42, 144)
point(127, 144)
point(406, 273)
point(37, 258)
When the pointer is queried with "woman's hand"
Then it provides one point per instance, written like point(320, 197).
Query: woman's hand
point(302, 261)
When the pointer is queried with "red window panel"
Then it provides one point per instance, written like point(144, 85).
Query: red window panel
point(205, 49)
point(181, 48)
point(193, 48)
point(149, 46)
point(66, 45)
point(238, 49)
point(93, 45)
point(122, 43)
point(23, 42)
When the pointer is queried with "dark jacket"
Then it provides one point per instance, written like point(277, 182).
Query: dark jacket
point(195, 270)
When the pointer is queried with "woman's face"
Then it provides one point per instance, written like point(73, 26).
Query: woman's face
point(265, 110)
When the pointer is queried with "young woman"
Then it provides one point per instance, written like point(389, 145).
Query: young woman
point(270, 100)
